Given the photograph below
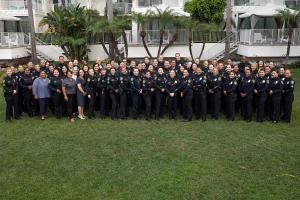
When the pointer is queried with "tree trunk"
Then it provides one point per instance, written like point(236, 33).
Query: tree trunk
point(174, 38)
point(202, 50)
point(228, 28)
point(63, 3)
point(110, 16)
point(290, 36)
point(161, 38)
point(103, 44)
point(32, 32)
point(190, 45)
point(125, 43)
point(143, 35)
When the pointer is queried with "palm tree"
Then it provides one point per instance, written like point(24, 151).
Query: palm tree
point(178, 23)
point(32, 32)
point(290, 19)
point(70, 26)
point(191, 25)
point(110, 16)
point(228, 28)
point(141, 20)
point(165, 17)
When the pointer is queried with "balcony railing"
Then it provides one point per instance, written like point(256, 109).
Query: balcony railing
point(123, 7)
point(268, 36)
point(256, 2)
point(19, 5)
point(13, 39)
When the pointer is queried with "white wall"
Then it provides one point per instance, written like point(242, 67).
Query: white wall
point(267, 51)
point(13, 53)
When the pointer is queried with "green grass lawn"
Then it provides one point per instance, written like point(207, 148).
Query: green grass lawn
point(104, 159)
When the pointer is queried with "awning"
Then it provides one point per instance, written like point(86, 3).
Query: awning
point(177, 11)
point(268, 10)
point(5, 17)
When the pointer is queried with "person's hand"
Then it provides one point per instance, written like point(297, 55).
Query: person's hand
point(152, 89)
point(29, 87)
point(271, 92)
point(14, 92)
point(225, 92)
point(66, 98)
point(36, 97)
point(141, 91)
point(89, 96)
point(58, 91)
point(172, 94)
point(242, 94)
point(181, 94)
point(84, 94)
point(116, 91)
point(255, 91)
point(211, 91)
point(162, 90)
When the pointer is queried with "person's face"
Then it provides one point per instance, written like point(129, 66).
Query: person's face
point(103, 72)
point(56, 73)
point(43, 74)
point(27, 71)
point(61, 60)
point(288, 74)
point(9, 72)
point(267, 69)
point(261, 73)
point(247, 73)
point(244, 59)
point(205, 63)
point(124, 70)
point(229, 61)
point(197, 61)
point(167, 64)
point(146, 60)
point(172, 74)
point(231, 75)
point(261, 63)
point(177, 56)
point(173, 63)
point(136, 72)
point(21, 68)
point(236, 68)
point(155, 62)
point(150, 68)
point(70, 75)
point(211, 68)
point(51, 68)
point(85, 68)
point(113, 71)
point(185, 73)
point(271, 65)
point(75, 62)
point(37, 68)
point(160, 71)
point(70, 65)
point(81, 73)
point(281, 71)
point(194, 67)
point(148, 75)
point(274, 74)
point(64, 69)
point(228, 68)
point(198, 71)
point(215, 71)
point(91, 72)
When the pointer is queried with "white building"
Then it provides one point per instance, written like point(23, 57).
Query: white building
point(257, 32)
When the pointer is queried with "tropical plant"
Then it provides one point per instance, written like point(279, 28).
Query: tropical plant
point(165, 17)
point(70, 27)
point(32, 32)
point(288, 17)
point(178, 23)
point(141, 20)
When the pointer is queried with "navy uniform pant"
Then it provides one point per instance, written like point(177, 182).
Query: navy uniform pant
point(159, 103)
point(275, 107)
point(287, 106)
point(187, 106)
point(216, 104)
point(200, 105)
point(27, 99)
point(91, 108)
point(260, 102)
point(148, 105)
point(135, 105)
point(114, 104)
point(11, 106)
point(124, 105)
point(230, 106)
point(57, 102)
point(247, 103)
point(172, 104)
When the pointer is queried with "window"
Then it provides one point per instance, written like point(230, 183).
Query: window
point(148, 3)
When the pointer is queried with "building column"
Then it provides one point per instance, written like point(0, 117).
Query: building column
point(134, 32)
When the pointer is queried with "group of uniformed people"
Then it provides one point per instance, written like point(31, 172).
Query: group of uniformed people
point(151, 88)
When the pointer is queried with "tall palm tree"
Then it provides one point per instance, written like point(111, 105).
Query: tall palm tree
point(178, 23)
point(191, 25)
point(165, 17)
point(110, 16)
point(228, 28)
point(141, 20)
point(32, 32)
point(290, 19)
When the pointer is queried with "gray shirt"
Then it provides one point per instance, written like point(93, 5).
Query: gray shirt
point(40, 88)
point(70, 85)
